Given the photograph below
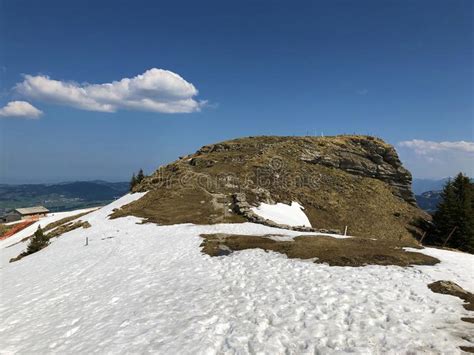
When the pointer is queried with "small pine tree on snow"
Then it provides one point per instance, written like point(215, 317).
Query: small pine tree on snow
point(37, 242)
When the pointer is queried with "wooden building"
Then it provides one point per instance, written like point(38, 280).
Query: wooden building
point(27, 213)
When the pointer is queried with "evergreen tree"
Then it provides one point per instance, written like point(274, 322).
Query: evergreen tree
point(456, 210)
point(133, 182)
point(37, 242)
point(465, 220)
point(140, 176)
point(444, 218)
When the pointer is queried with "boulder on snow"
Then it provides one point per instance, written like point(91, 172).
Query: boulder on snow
point(453, 289)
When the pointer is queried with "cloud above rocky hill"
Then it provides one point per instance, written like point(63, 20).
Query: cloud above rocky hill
point(156, 90)
point(426, 147)
point(429, 159)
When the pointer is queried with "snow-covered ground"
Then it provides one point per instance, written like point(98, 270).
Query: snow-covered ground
point(291, 215)
point(143, 288)
point(10, 247)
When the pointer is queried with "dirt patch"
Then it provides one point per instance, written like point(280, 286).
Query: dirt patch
point(4, 229)
point(333, 251)
point(15, 228)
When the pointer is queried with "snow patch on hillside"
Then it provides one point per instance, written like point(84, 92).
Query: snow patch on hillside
point(454, 266)
point(291, 215)
point(144, 288)
point(12, 246)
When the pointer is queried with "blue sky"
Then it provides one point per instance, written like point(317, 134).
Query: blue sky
point(401, 70)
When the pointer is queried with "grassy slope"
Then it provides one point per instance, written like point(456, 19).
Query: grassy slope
point(198, 188)
point(333, 251)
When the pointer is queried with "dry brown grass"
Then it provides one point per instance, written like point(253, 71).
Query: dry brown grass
point(333, 251)
point(264, 167)
point(182, 206)
point(67, 227)
point(64, 220)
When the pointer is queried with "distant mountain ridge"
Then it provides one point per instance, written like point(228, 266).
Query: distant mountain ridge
point(428, 193)
point(61, 196)
point(429, 200)
point(420, 186)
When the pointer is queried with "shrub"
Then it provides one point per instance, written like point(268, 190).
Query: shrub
point(37, 242)
point(136, 179)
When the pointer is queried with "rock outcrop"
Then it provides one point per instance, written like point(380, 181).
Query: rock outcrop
point(354, 181)
point(367, 157)
point(450, 288)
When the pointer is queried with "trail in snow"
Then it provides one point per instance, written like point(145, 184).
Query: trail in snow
point(145, 288)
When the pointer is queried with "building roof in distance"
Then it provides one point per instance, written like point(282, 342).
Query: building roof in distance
point(32, 210)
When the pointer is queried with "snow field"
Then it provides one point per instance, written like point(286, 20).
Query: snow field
point(141, 288)
point(9, 247)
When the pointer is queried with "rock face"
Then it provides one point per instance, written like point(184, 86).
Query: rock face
point(354, 181)
point(367, 157)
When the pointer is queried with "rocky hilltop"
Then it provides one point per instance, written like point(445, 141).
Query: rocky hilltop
point(354, 181)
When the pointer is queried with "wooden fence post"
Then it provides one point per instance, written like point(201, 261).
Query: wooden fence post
point(422, 237)
point(449, 236)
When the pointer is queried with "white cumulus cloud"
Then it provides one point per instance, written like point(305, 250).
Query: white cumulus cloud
point(426, 147)
point(20, 109)
point(428, 159)
point(155, 90)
